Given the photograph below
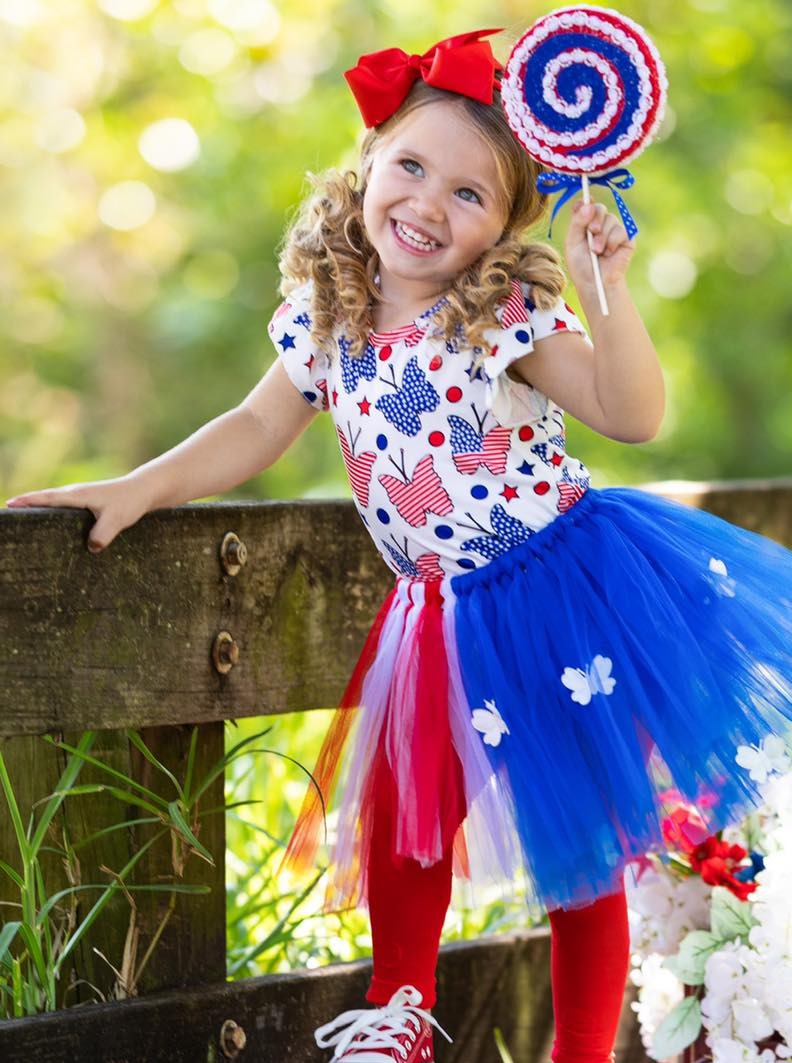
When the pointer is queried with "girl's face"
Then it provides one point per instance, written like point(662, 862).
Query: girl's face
point(433, 202)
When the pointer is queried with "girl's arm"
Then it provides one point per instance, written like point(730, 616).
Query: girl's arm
point(230, 449)
point(224, 452)
point(615, 387)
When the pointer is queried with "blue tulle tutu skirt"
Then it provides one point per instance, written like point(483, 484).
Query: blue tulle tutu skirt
point(560, 693)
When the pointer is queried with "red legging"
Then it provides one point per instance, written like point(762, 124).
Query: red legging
point(589, 946)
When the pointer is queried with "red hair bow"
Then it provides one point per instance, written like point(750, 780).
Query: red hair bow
point(464, 64)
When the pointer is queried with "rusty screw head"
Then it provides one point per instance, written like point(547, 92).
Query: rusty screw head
point(233, 553)
point(232, 1039)
point(225, 652)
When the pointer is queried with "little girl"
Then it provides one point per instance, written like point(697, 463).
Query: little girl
point(553, 655)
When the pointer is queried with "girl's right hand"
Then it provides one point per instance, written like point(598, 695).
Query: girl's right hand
point(116, 504)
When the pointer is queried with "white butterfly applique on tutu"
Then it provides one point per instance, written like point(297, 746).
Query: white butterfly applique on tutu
point(761, 761)
point(720, 578)
point(490, 723)
point(594, 679)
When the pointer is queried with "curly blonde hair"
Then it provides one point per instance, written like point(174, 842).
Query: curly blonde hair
point(327, 243)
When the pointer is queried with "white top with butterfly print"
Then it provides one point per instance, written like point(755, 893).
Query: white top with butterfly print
point(449, 465)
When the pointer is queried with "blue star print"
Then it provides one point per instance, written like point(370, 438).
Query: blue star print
point(286, 341)
point(416, 396)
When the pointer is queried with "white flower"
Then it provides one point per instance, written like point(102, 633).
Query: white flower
point(716, 1012)
point(723, 972)
point(778, 986)
point(751, 1021)
point(769, 946)
point(761, 761)
point(727, 1050)
point(594, 679)
point(490, 723)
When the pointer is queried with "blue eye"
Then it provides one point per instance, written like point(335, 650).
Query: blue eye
point(408, 165)
point(476, 198)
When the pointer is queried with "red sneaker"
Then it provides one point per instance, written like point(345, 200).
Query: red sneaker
point(399, 1030)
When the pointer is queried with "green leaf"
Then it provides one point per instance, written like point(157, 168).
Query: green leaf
point(500, 1044)
point(16, 818)
point(69, 774)
point(184, 829)
point(678, 1029)
point(190, 766)
point(138, 743)
point(7, 935)
point(730, 917)
point(110, 771)
point(13, 875)
point(688, 964)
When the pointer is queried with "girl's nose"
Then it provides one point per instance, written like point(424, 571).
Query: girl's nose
point(427, 206)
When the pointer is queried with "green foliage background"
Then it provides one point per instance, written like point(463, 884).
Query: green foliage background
point(118, 344)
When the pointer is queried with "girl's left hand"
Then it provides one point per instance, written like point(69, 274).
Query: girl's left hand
point(611, 245)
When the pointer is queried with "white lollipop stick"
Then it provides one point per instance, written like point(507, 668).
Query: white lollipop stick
point(603, 302)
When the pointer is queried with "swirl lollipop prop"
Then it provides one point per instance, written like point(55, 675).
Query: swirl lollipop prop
point(584, 91)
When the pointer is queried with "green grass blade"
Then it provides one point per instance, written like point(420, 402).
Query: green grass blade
point(277, 930)
point(73, 768)
point(16, 819)
point(219, 767)
point(500, 1044)
point(183, 827)
point(101, 902)
point(110, 771)
point(190, 765)
point(13, 875)
point(138, 743)
point(7, 935)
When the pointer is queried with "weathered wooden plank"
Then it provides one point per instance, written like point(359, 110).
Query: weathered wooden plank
point(502, 981)
point(124, 639)
point(192, 948)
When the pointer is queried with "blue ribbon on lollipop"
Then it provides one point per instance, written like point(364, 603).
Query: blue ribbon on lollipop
point(567, 185)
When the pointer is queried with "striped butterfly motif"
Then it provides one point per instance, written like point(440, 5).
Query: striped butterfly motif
point(423, 494)
point(471, 449)
point(415, 396)
point(359, 468)
point(571, 489)
point(427, 566)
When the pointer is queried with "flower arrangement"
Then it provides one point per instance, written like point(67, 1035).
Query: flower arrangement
point(711, 927)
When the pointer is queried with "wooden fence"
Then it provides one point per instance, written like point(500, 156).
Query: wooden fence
point(198, 615)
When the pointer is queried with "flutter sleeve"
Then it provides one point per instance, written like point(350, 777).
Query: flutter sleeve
point(290, 332)
point(522, 323)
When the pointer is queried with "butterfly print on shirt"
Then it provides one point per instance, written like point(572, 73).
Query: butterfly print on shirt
point(506, 532)
point(471, 448)
point(424, 493)
point(414, 397)
point(570, 490)
point(427, 566)
point(353, 369)
point(358, 466)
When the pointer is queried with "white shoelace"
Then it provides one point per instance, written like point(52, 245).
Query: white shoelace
point(380, 1027)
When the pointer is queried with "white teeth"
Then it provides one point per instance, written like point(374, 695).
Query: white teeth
point(415, 238)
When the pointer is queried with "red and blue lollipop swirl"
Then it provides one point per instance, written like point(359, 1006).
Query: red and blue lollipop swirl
point(584, 92)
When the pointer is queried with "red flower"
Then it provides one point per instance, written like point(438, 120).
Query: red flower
point(684, 828)
point(716, 861)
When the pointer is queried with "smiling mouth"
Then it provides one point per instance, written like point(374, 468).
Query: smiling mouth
point(411, 239)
